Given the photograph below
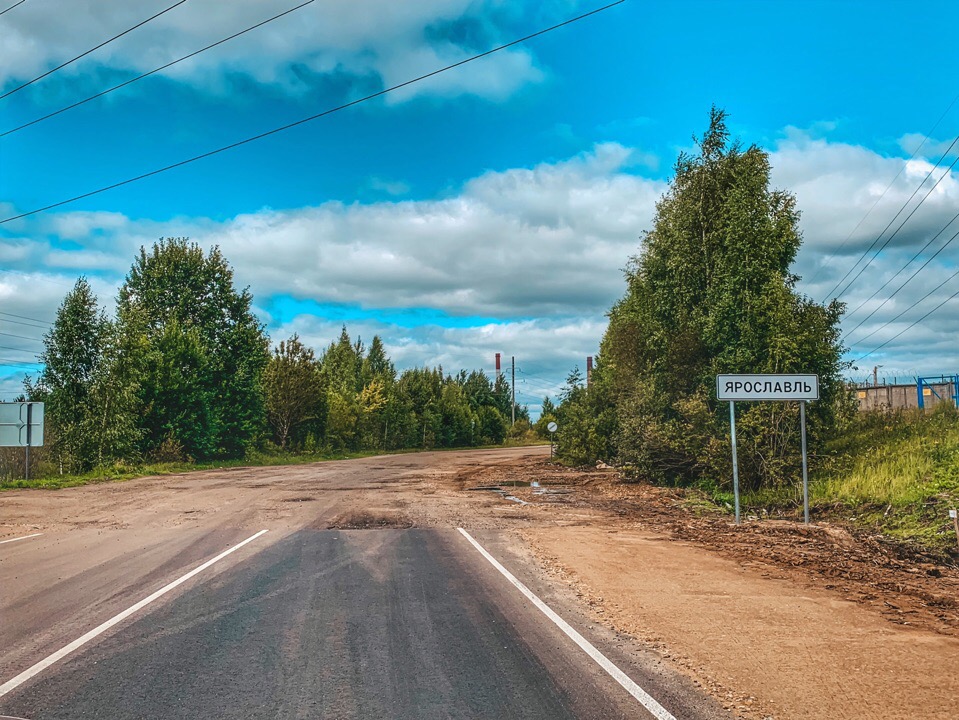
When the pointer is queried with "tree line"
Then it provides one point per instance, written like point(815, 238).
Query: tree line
point(185, 371)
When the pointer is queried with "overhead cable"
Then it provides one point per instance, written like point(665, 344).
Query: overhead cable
point(12, 7)
point(29, 366)
point(901, 225)
point(22, 337)
point(910, 327)
point(84, 54)
point(154, 71)
point(27, 324)
point(16, 349)
point(311, 118)
point(892, 182)
point(906, 282)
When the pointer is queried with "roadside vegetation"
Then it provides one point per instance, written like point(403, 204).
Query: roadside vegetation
point(893, 472)
point(182, 375)
point(711, 292)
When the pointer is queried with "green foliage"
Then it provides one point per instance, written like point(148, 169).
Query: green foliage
point(893, 472)
point(205, 349)
point(711, 292)
point(73, 359)
point(185, 375)
point(293, 390)
point(580, 418)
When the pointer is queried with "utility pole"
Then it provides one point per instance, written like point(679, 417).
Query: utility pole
point(513, 389)
point(589, 371)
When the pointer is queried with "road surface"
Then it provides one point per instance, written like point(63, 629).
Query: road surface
point(313, 618)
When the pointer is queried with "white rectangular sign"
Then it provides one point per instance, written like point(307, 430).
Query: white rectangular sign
point(13, 424)
point(767, 387)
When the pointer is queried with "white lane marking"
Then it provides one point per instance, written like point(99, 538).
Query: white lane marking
point(99, 629)
point(25, 537)
point(647, 701)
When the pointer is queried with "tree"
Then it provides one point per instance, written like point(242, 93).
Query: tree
point(196, 323)
point(293, 389)
point(711, 292)
point(72, 358)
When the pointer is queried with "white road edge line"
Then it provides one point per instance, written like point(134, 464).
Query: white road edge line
point(25, 537)
point(14, 683)
point(645, 699)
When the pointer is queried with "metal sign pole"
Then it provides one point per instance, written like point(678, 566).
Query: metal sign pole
point(805, 463)
point(732, 426)
point(26, 450)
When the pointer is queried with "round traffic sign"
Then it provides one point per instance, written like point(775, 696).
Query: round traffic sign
point(552, 427)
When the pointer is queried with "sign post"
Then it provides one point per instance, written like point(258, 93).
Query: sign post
point(768, 388)
point(732, 427)
point(955, 522)
point(21, 425)
point(552, 427)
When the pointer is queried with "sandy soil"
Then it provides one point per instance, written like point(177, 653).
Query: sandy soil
point(774, 619)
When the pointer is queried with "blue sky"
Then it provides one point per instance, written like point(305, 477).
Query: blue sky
point(487, 209)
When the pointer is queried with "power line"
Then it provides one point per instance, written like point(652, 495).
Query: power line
point(12, 7)
point(22, 337)
point(10, 363)
point(906, 282)
point(24, 317)
point(888, 187)
point(305, 120)
point(15, 349)
point(910, 307)
point(84, 54)
point(28, 324)
point(152, 72)
point(538, 377)
point(901, 225)
point(910, 327)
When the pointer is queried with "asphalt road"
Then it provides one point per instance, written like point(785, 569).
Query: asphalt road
point(305, 622)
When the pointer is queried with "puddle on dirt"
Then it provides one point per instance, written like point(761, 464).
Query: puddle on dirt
point(502, 491)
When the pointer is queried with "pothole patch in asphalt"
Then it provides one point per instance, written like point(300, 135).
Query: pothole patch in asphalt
point(366, 520)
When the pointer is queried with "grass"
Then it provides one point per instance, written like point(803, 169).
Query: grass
point(896, 473)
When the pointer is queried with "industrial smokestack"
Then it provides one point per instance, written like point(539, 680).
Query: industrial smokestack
point(497, 364)
point(589, 371)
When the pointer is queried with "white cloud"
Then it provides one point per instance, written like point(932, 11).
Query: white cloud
point(916, 143)
point(358, 38)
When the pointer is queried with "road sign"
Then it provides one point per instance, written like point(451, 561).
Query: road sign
point(14, 429)
point(767, 387)
point(552, 427)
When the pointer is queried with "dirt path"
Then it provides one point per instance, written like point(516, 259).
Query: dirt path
point(776, 620)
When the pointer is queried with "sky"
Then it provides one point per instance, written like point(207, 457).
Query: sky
point(489, 208)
